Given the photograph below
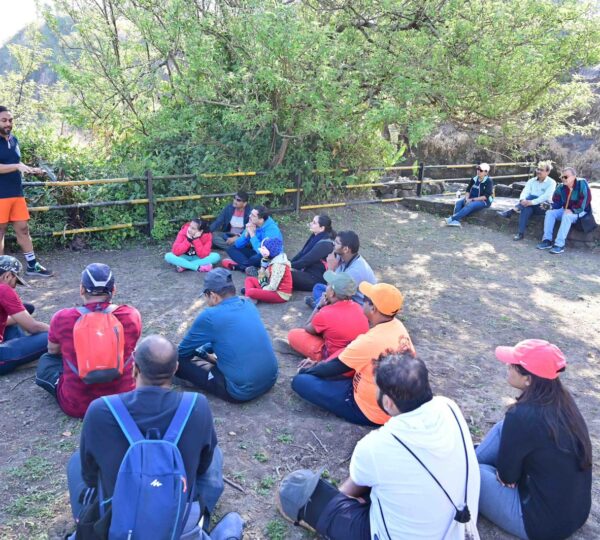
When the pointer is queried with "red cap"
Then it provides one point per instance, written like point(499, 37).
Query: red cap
point(536, 356)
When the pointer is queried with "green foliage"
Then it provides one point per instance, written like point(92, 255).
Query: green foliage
point(276, 530)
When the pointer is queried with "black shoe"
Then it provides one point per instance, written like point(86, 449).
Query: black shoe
point(243, 291)
point(38, 270)
point(507, 214)
point(518, 236)
point(310, 302)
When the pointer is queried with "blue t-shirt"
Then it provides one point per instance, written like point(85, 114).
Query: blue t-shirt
point(239, 339)
point(10, 183)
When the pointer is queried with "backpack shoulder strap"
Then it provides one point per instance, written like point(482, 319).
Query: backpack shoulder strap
point(182, 415)
point(82, 310)
point(110, 308)
point(126, 423)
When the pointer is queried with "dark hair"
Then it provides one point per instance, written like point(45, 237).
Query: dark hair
point(262, 212)
point(224, 292)
point(3, 108)
point(325, 222)
point(156, 358)
point(203, 225)
point(242, 195)
point(404, 379)
point(350, 240)
point(559, 413)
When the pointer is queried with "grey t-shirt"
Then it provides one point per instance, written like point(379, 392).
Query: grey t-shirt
point(360, 271)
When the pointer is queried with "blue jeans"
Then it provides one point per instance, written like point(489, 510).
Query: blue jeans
point(500, 504)
point(245, 256)
point(18, 348)
point(527, 212)
point(566, 220)
point(462, 210)
point(318, 291)
point(334, 395)
point(209, 486)
point(192, 262)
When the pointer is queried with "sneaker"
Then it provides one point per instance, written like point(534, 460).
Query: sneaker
point(507, 214)
point(180, 269)
point(205, 268)
point(38, 270)
point(544, 244)
point(453, 223)
point(294, 493)
point(230, 527)
point(448, 220)
point(283, 347)
point(310, 302)
point(557, 249)
point(251, 271)
point(518, 236)
point(229, 264)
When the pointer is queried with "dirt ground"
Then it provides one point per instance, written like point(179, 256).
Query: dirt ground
point(466, 291)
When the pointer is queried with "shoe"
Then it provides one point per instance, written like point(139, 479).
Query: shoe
point(506, 214)
point(448, 220)
point(180, 269)
point(38, 270)
point(251, 271)
point(230, 527)
point(229, 264)
point(557, 249)
point(243, 291)
point(310, 302)
point(518, 236)
point(283, 347)
point(294, 493)
point(205, 268)
point(453, 223)
point(544, 244)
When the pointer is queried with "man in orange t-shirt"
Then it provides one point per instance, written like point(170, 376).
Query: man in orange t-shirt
point(356, 399)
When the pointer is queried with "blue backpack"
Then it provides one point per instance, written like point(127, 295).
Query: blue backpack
point(151, 492)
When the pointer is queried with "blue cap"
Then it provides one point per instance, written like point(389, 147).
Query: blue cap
point(97, 278)
point(217, 280)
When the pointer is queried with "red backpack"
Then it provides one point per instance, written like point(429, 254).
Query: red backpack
point(99, 341)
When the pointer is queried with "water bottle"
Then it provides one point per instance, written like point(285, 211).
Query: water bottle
point(458, 194)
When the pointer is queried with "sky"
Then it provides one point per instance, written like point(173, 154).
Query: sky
point(15, 15)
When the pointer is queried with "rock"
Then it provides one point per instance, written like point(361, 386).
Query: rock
point(503, 191)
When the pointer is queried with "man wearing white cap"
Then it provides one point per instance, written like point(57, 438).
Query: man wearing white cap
point(480, 194)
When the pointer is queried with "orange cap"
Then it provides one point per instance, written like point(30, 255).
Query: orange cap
point(386, 298)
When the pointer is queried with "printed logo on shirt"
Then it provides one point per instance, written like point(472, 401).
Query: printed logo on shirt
point(156, 483)
point(210, 376)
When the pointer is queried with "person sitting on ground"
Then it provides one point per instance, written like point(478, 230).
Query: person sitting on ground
point(191, 249)
point(308, 265)
point(355, 399)
point(236, 359)
point(62, 372)
point(408, 479)
point(152, 406)
point(333, 326)
point(274, 282)
point(344, 258)
point(245, 252)
point(22, 338)
point(480, 194)
point(536, 463)
point(537, 192)
point(231, 222)
point(571, 201)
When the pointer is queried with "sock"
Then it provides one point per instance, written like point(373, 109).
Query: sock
point(30, 258)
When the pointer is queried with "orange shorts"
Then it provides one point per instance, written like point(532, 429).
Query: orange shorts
point(13, 209)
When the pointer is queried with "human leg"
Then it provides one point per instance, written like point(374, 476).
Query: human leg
point(458, 206)
point(244, 257)
point(219, 241)
point(318, 291)
point(565, 226)
point(468, 209)
point(21, 350)
point(49, 370)
point(210, 485)
point(19, 217)
point(487, 451)
point(303, 281)
point(269, 297)
point(3, 227)
point(306, 344)
point(333, 395)
point(500, 504)
point(206, 377)
point(76, 484)
point(549, 221)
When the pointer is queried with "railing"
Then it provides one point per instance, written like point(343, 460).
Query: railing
point(150, 200)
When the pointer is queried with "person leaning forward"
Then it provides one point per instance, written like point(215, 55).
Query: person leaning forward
point(227, 351)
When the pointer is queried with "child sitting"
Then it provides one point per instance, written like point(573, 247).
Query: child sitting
point(274, 282)
point(191, 249)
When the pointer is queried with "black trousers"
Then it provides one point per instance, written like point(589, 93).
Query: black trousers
point(304, 281)
point(207, 377)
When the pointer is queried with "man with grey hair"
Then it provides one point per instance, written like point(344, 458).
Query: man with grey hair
point(537, 192)
point(571, 201)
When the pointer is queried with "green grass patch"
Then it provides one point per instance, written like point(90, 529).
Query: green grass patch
point(276, 530)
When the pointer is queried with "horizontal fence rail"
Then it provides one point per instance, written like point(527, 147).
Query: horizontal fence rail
point(150, 200)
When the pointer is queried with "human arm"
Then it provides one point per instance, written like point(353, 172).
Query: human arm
point(546, 195)
point(219, 224)
point(182, 243)
point(199, 334)
point(324, 370)
point(333, 261)
point(352, 489)
point(486, 192)
point(28, 323)
point(315, 255)
point(584, 195)
point(516, 442)
point(277, 271)
point(242, 240)
point(12, 167)
point(202, 245)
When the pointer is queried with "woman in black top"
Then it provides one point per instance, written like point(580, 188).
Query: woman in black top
point(308, 265)
point(536, 464)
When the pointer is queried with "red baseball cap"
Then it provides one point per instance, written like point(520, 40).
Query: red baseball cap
point(536, 356)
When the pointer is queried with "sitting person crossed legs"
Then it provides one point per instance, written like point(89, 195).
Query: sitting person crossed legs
point(191, 249)
point(274, 281)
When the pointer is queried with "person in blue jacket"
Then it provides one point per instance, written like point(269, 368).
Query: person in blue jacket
point(231, 222)
point(245, 251)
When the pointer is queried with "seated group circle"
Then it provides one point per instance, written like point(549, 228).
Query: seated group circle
point(416, 474)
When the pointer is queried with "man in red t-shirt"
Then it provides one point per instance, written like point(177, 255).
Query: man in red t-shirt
point(17, 347)
point(332, 327)
point(55, 373)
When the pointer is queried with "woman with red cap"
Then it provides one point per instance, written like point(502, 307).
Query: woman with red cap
point(536, 464)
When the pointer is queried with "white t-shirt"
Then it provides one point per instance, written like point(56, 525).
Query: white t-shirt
point(406, 503)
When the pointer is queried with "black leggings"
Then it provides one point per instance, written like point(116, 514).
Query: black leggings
point(207, 377)
point(303, 281)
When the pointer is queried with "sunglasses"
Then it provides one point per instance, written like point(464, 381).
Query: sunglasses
point(481, 170)
point(237, 199)
point(565, 177)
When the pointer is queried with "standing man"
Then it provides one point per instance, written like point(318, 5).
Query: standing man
point(231, 222)
point(480, 194)
point(571, 201)
point(537, 191)
point(13, 208)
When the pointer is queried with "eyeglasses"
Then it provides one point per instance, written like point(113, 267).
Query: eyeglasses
point(565, 177)
point(237, 199)
point(481, 170)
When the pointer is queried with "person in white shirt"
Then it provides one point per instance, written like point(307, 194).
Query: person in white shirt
point(416, 477)
point(537, 191)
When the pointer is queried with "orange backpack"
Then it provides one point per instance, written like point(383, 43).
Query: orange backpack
point(99, 341)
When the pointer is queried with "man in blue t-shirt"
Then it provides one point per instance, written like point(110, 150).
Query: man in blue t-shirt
point(235, 360)
point(13, 208)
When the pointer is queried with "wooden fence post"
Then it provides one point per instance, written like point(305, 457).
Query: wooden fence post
point(298, 191)
point(150, 197)
point(420, 178)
